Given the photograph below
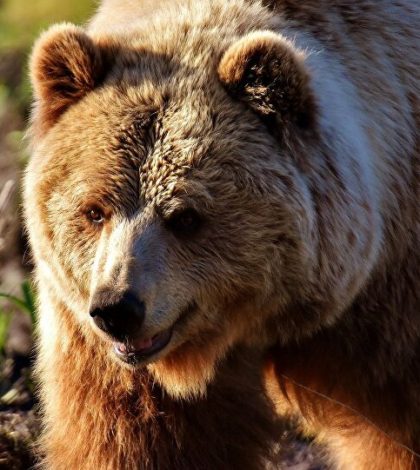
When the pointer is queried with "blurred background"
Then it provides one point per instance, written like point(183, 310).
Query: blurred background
point(21, 21)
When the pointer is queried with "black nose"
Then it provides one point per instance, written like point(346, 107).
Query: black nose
point(120, 319)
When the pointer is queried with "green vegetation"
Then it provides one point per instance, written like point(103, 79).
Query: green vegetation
point(19, 426)
point(26, 303)
point(5, 318)
point(21, 22)
point(15, 392)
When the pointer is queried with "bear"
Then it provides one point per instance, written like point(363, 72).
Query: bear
point(221, 190)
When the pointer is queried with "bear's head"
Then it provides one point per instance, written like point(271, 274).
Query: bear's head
point(170, 200)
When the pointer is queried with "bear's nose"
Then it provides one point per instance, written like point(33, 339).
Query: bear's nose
point(122, 319)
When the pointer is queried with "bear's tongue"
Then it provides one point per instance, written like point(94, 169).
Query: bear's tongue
point(143, 345)
point(135, 346)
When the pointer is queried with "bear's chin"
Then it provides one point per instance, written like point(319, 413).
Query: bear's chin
point(186, 372)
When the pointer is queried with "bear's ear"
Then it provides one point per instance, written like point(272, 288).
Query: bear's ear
point(65, 65)
point(266, 71)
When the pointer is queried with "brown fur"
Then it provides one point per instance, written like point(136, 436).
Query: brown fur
point(113, 418)
point(65, 71)
point(293, 131)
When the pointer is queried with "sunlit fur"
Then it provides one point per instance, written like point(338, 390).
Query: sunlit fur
point(292, 129)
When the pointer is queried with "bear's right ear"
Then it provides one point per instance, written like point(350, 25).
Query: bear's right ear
point(65, 65)
point(268, 72)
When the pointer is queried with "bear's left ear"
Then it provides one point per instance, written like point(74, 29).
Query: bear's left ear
point(266, 71)
point(65, 65)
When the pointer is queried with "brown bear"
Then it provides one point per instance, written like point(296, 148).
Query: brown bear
point(213, 175)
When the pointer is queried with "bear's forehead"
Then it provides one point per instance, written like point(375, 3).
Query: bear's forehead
point(153, 146)
point(162, 151)
point(161, 171)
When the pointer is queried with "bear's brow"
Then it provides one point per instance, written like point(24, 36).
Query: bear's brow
point(144, 155)
point(133, 138)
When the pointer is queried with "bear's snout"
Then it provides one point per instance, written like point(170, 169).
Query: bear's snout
point(122, 318)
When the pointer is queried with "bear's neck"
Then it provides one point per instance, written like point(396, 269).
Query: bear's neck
point(98, 414)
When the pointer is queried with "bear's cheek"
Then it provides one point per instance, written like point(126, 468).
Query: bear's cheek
point(76, 248)
point(69, 248)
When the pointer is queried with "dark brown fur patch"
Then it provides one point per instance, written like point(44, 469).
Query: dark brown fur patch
point(266, 73)
point(65, 66)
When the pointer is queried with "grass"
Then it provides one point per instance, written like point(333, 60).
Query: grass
point(11, 390)
point(19, 424)
point(5, 318)
point(25, 303)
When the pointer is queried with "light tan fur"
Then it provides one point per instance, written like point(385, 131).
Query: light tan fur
point(292, 130)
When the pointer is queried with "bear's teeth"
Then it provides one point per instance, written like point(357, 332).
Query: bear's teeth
point(121, 347)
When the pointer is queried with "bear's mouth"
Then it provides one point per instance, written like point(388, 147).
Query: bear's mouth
point(143, 351)
point(134, 352)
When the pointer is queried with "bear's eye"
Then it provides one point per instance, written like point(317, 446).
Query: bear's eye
point(95, 215)
point(184, 222)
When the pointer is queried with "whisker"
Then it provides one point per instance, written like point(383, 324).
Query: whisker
point(353, 410)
